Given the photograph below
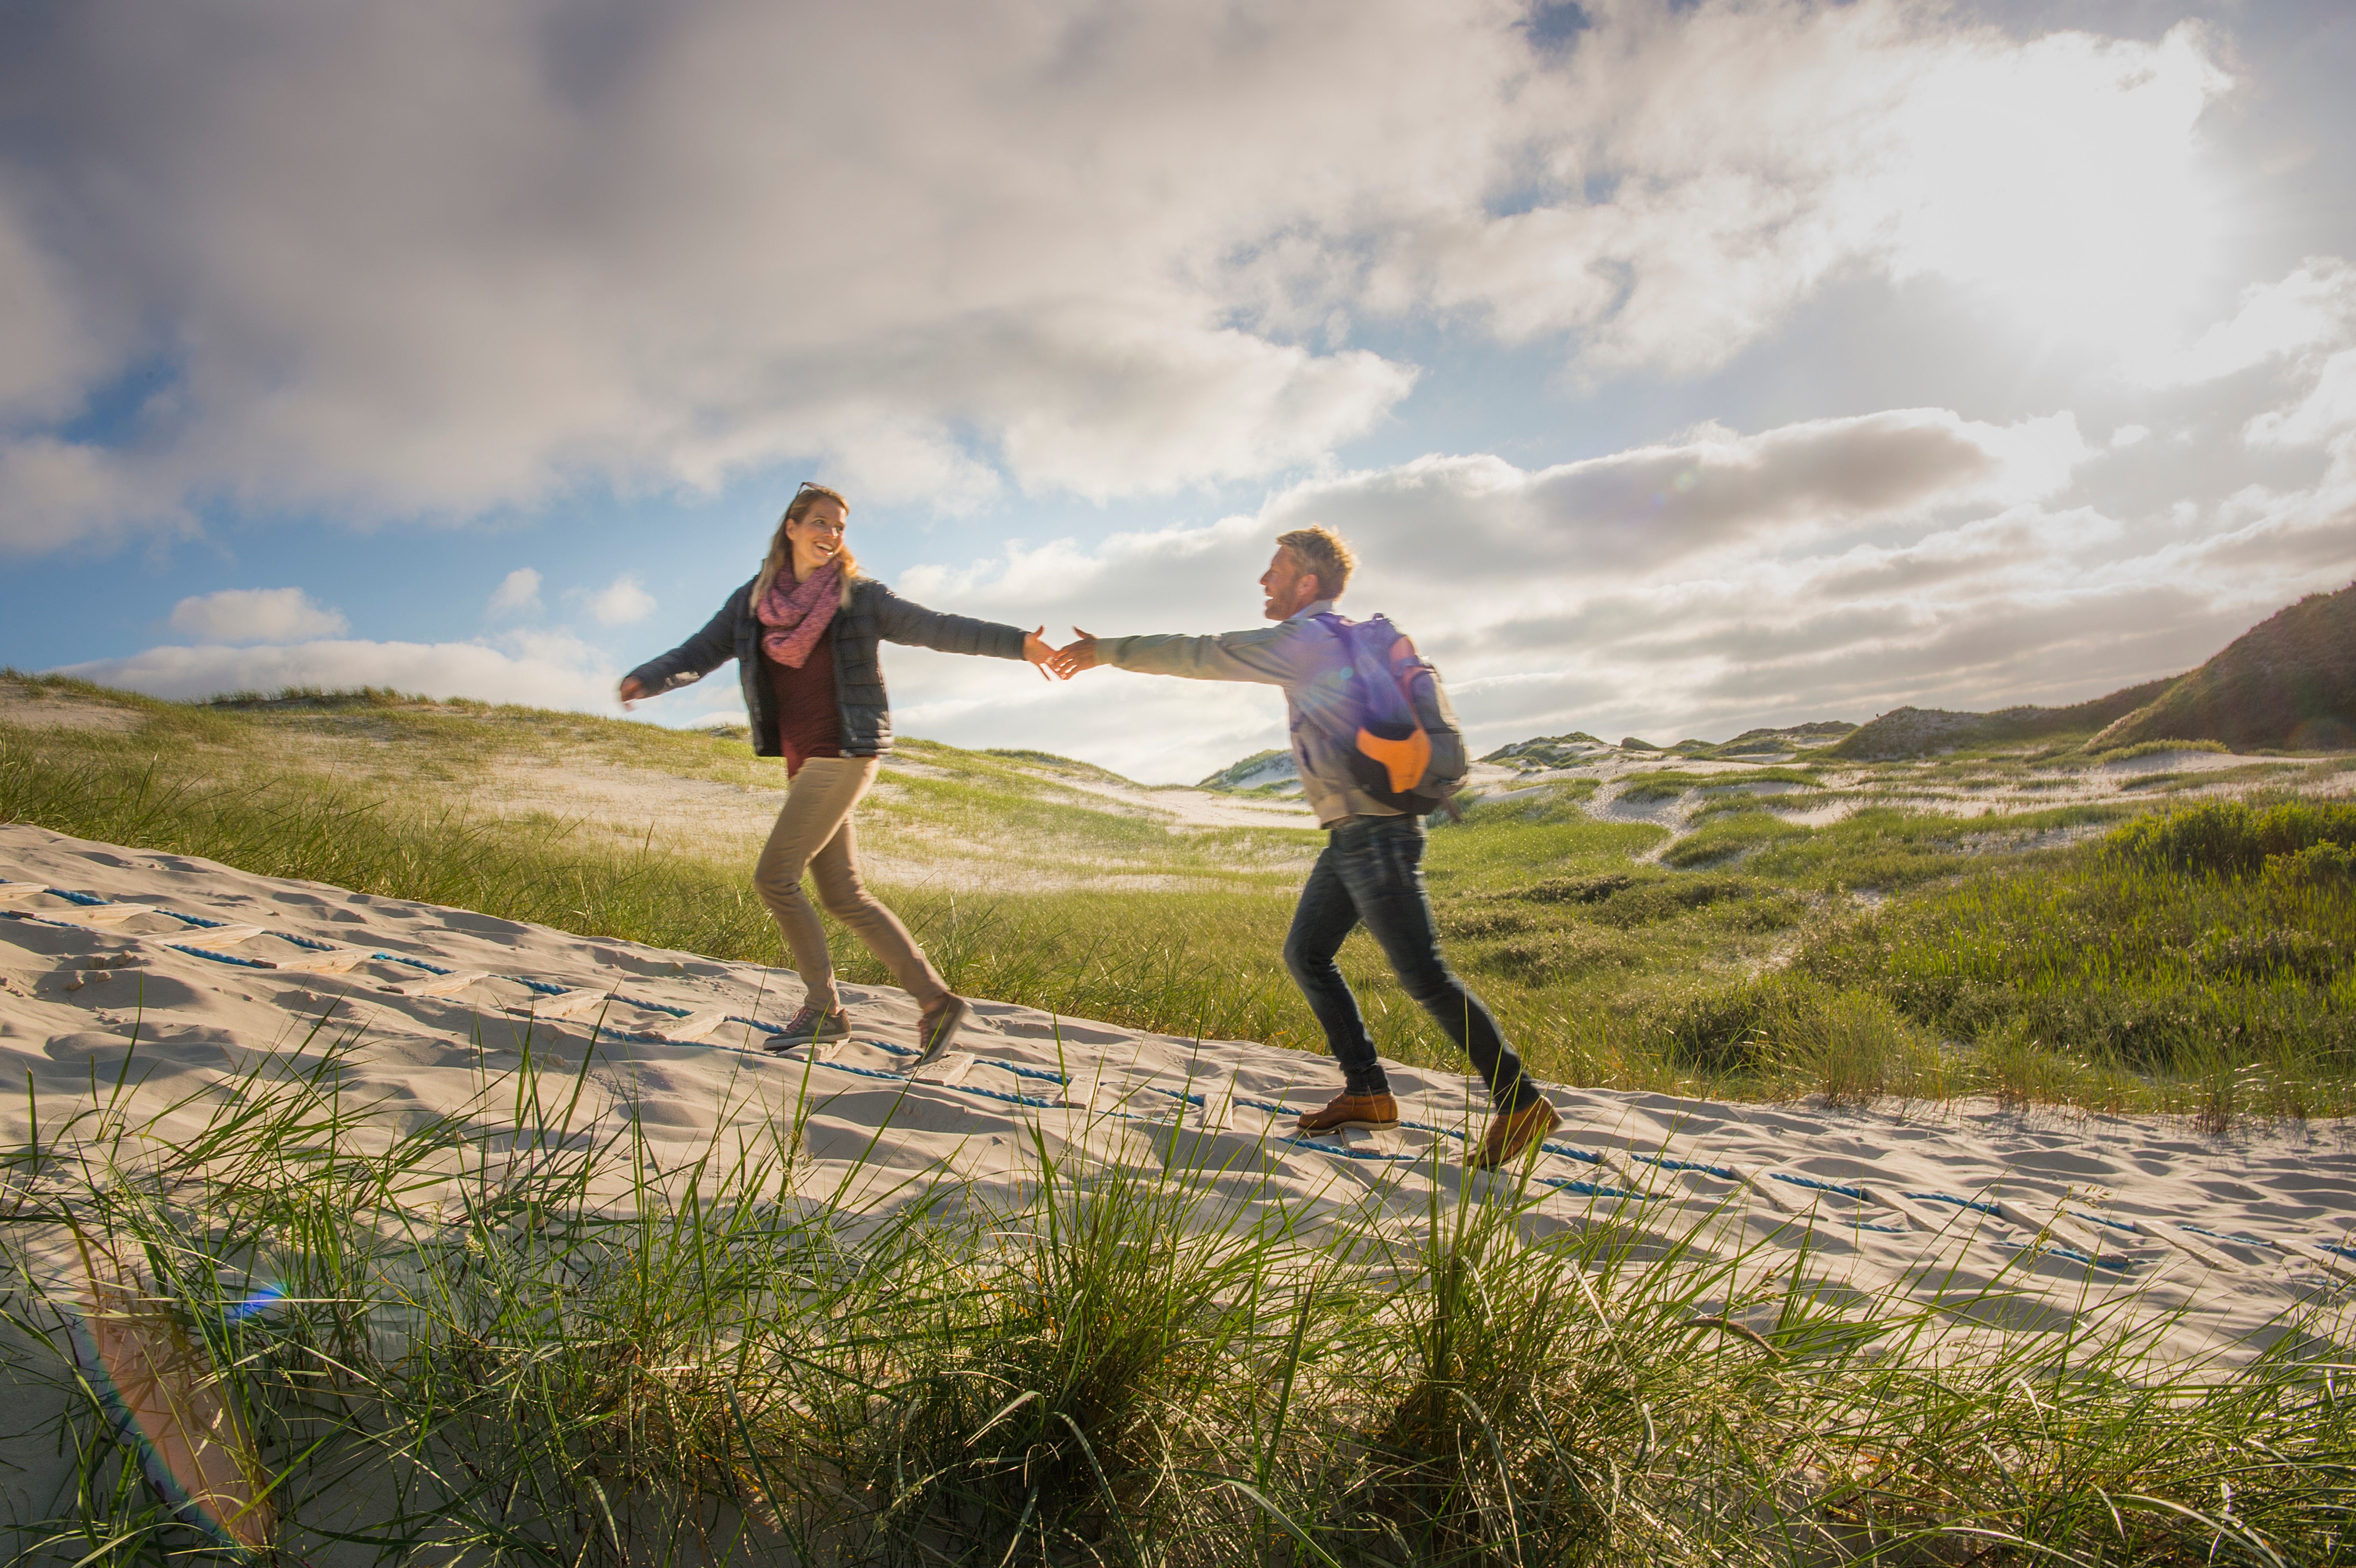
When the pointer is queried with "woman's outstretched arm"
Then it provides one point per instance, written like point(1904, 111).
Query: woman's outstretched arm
point(899, 620)
point(692, 659)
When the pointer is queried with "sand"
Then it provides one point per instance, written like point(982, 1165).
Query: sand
point(2018, 1221)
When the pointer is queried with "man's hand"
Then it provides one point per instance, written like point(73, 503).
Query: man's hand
point(1077, 654)
point(631, 691)
point(1036, 648)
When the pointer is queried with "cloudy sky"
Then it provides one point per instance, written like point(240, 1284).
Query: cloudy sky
point(1676, 368)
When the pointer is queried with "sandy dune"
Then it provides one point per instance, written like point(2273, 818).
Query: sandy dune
point(2028, 1220)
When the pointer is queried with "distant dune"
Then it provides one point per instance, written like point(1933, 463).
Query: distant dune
point(2287, 683)
point(1912, 732)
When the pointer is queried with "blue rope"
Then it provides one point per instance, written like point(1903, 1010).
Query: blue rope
point(1724, 1173)
point(318, 947)
point(1958, 1202)
point(2055, 1249)
point(653, 1007)
point(412, 963)
point(1014, 1067)
point(1813, 1185)
point(1591, 1189)
point(2224, 1235)
point(2335, 1247)
point(217, 958)
point(1011, 1099)
point(85, 900)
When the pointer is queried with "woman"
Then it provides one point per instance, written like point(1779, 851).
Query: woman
point(804, 634)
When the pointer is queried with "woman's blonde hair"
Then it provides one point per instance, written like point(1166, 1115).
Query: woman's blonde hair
point(781, 546)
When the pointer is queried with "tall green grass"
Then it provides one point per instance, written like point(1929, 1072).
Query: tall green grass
point(514, 1335)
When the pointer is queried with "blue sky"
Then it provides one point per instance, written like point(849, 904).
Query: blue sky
point(1675, 368)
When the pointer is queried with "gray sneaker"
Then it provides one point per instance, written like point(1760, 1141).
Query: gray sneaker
point(934, 1030)
point(810, 1027)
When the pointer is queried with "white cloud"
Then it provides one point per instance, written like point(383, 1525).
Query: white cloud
point(2313, 308)
point(547, 672)
point(58, 493)
point(620, 602)
point(1102, 249)
point(256, 615)
point(518, 593)
point(1825, 569)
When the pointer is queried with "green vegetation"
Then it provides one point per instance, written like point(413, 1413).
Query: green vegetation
point(1668, 784)
point(2196, 961)
point(513, 1335)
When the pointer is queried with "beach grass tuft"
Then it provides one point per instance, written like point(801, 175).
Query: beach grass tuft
point(515, 1333)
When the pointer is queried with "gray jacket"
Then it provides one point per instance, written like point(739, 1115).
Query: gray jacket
point(875, 614)
point(1295, 652)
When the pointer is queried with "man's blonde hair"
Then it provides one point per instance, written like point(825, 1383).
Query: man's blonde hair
point(1320, 549)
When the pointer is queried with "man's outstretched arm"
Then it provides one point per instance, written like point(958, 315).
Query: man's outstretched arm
point(1272, 656)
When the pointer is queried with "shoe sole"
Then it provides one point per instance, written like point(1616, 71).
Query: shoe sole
point(1346, 1127)
point(776, 1044)
point(943, 1037)
point(779, 1046)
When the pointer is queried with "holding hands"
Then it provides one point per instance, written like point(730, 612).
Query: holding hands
point(1076, 656)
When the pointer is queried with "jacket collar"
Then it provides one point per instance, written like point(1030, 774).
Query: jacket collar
point(1310, 612)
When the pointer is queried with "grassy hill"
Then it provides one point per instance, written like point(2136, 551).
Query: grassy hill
point(1724, 927)
point(2288, 683)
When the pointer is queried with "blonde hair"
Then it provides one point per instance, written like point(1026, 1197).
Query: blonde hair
point(1320, 549)
point(781, 545)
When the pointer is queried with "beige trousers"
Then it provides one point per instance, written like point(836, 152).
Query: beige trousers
point(813, 834)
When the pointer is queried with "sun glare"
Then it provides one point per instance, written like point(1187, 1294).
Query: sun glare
point(2065, 181)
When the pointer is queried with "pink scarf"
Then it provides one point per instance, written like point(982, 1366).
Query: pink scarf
point(797, 620)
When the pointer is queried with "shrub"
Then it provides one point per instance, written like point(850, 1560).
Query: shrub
point(2232, 836)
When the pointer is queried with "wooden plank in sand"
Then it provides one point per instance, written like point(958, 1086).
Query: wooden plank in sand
point(573, 1003)
point(1914, 1213)
point(437, 984)
point(2190, 1246)
point(337, 961)
point(691, 1029)
point(2345, 1267)
point(949, 1072)
point(215, 935)
point(1217, 1112)
point(98, 914)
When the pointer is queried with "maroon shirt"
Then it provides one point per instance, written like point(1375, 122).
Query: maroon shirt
point(809, 713)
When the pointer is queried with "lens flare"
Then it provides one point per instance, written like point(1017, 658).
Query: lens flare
point(167, 1401)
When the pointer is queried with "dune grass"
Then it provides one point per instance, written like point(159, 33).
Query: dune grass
point(513, 1334)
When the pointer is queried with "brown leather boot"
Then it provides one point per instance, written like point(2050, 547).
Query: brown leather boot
point(1370, 1113)
point(1512, 1133)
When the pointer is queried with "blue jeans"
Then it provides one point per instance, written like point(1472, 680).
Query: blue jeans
point(1372, 870)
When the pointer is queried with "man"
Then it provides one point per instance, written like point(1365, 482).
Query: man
point(1372, 868)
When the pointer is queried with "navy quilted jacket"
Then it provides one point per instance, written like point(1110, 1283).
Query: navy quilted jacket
point(875, 614)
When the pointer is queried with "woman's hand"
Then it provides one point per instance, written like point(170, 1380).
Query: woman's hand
point(632, 690)
point(1035, 649)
